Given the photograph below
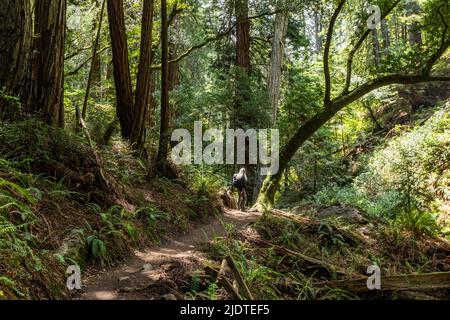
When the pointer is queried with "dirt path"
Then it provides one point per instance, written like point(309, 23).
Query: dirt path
point(134, 278)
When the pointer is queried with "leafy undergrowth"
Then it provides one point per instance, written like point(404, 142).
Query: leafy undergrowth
point(406, 179)
point(64, 203)
point(291, 256)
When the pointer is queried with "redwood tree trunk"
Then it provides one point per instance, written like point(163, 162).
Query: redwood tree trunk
point(47, 91)
point(174, 73)
point(243, 36)
point(15, 45)
point(244, 118)
point(122, 77)
point(242, 93)
point(144, 79)
point(164, 133)
point(276, 61)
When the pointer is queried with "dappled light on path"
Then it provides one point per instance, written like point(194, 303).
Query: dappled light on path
point(145, 267)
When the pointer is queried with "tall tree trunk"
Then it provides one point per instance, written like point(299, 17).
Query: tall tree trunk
point(95, 63)
point(376, 47)
point(132, 113)
point(385, 36)
point(122, 77)
point(414, 33)
point(174, 73)
point(404, 33)
point(242, 88)
point(144, 79)
point(271, 183)
point(150, 118)
point(396, 30)
point(96, 70)
point(15, 45)
point(243, 36)
point(174, 80)
point(162, 161)
point(317, 31)
point(244, 118)
point(96, 59)
point(110, 70)
point(243, 63)
point(47, 91)
point(276, 61)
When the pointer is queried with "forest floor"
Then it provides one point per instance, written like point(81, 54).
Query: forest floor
point(163, 239)
point(142, 274)
point(271, 250)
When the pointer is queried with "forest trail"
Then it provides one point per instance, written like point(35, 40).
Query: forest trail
point(134, 277)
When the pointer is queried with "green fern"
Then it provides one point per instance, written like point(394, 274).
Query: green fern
point(96, 246)
point(7, 228)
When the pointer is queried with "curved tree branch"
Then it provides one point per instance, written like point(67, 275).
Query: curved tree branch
point(85, 62)
point(372, 85)
point(326, 54)
point(435, 57)
point(445, 43)
point(77, 52)
point(307, 129)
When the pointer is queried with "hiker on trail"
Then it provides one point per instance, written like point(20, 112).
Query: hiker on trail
point(239, 182)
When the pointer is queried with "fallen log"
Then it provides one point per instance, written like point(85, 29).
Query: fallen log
point(312, 262)
point(239, 279)
point(222, 281)
point(410, 282)
point(346, 233)
point(238, 287)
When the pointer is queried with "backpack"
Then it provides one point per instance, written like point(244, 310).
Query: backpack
point(238, 183)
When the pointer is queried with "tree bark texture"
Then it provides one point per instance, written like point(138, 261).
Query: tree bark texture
point(15, 45)
point(144, 79)
point(47, 78)
point(122, 76)
point(276, 61)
